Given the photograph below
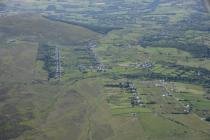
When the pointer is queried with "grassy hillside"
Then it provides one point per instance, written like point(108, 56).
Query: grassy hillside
point(80, 111)
point(38, 29)
point(27, 99)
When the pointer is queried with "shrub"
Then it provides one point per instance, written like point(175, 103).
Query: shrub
point(208, 119)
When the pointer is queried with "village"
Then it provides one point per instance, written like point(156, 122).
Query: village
point(164, 96)
point(95, 65)
point(130, 87)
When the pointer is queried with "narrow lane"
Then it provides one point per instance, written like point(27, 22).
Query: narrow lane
point(58, 63)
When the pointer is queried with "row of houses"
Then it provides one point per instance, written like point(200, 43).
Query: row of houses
point(95, 64)
point(135, 99)
point(145, 64)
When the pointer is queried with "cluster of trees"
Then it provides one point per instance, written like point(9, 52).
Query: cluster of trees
point(95, 28)
point(203, 78)
point(208, 119)
point(46, 53)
